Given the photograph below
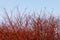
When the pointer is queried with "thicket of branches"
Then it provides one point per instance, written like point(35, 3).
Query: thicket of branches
point(30, 27)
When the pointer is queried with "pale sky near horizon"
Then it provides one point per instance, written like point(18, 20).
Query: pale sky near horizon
point(35, 5)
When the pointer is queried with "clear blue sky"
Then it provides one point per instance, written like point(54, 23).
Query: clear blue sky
point(31, 4)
